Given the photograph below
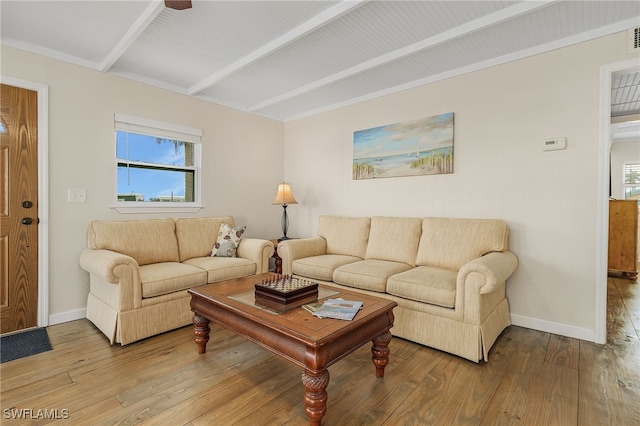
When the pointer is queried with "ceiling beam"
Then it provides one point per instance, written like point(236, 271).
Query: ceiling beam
point(140, 24)
point(446, 36)
point(625, 118)
point(312, 24)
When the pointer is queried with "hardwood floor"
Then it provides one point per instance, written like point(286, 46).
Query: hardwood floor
point(533, 378)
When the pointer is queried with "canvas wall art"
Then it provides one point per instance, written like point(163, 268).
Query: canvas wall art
point(412, 148)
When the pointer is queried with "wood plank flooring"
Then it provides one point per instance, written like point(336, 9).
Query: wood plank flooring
point(533, 378)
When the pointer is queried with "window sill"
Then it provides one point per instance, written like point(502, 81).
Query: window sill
point(155, 208)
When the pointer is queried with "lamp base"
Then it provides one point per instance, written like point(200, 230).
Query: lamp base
point(285, 223)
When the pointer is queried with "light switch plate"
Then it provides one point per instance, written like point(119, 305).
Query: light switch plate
point(76, 195)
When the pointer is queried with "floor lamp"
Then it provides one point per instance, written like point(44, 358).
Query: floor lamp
point(284, 197)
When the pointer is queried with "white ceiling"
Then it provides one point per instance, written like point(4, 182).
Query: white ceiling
point(289, 59)
point(625, 93)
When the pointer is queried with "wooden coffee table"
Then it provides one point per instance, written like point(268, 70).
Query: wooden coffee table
point(310, 342)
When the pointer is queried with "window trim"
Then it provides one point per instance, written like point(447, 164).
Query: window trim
point(131, 124)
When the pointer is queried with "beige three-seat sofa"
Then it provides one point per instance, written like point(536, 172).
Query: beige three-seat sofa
point(447, 275)
point(140, 271)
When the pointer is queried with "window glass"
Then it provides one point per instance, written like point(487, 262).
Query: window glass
point(632, 181)
point(155, 166)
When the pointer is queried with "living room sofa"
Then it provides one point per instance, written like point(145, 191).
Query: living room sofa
point(447, 275)
point(140, 271)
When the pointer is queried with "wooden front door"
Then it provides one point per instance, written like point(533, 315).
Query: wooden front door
point(18, 209)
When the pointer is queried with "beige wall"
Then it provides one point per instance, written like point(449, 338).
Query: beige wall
point(502, 115)
point(242, 160)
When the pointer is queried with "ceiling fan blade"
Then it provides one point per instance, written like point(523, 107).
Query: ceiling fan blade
point(178, 4)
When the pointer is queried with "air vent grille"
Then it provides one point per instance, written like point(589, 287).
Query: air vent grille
point(634, 40)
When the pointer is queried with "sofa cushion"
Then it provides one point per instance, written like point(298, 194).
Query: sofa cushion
point(168, 277)
point(147, 241)
point(368, 274)
point(345, 235)
point(450, 243)
point(197, 235)
point(394, 239)
point(228, 240)
point(321, 267)
point(224, 268)
point(436, 286)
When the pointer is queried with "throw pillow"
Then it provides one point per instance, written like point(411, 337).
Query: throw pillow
point(228, 240)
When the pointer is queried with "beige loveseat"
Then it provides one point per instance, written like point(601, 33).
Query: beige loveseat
point(140, 270)
point(447, 275)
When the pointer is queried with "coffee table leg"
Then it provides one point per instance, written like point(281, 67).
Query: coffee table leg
point(201, 331)
point(380, 351)
point(315, 395)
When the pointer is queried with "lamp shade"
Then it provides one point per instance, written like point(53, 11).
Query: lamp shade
point(284, 195)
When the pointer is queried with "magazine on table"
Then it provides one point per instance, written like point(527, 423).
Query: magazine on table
point(335, 308)
point(312, 307)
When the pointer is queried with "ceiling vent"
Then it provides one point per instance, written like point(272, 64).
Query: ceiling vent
point(634, 40)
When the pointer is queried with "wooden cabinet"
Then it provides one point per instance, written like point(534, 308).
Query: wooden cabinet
point(623, 237)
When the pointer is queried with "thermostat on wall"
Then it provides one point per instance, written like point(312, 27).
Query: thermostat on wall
point(554, 144)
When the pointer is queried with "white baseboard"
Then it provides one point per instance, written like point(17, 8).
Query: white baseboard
point(67, 316)
point(553, 327)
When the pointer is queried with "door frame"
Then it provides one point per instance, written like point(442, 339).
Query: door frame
point(42, 91)
point(602, 215)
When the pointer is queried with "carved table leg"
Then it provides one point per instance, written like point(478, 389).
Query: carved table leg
point(315, 395)
point(380, 351)
point(201, 331)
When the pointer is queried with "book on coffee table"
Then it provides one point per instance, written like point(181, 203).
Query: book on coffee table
point(335, 308)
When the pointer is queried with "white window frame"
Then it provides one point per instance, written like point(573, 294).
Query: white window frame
point(128, 123)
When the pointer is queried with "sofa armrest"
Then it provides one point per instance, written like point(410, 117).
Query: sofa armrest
point(108, 266)
point(104, 264)
point(480, 285)
point(290, 250)
point(257, 250)
point(494, 267)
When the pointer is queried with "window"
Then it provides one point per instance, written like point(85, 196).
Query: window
point(158, 164)
point(632, 181)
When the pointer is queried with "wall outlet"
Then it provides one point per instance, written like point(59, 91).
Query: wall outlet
point(75, 195)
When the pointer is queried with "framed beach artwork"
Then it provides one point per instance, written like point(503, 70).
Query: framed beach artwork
point(412, 148)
